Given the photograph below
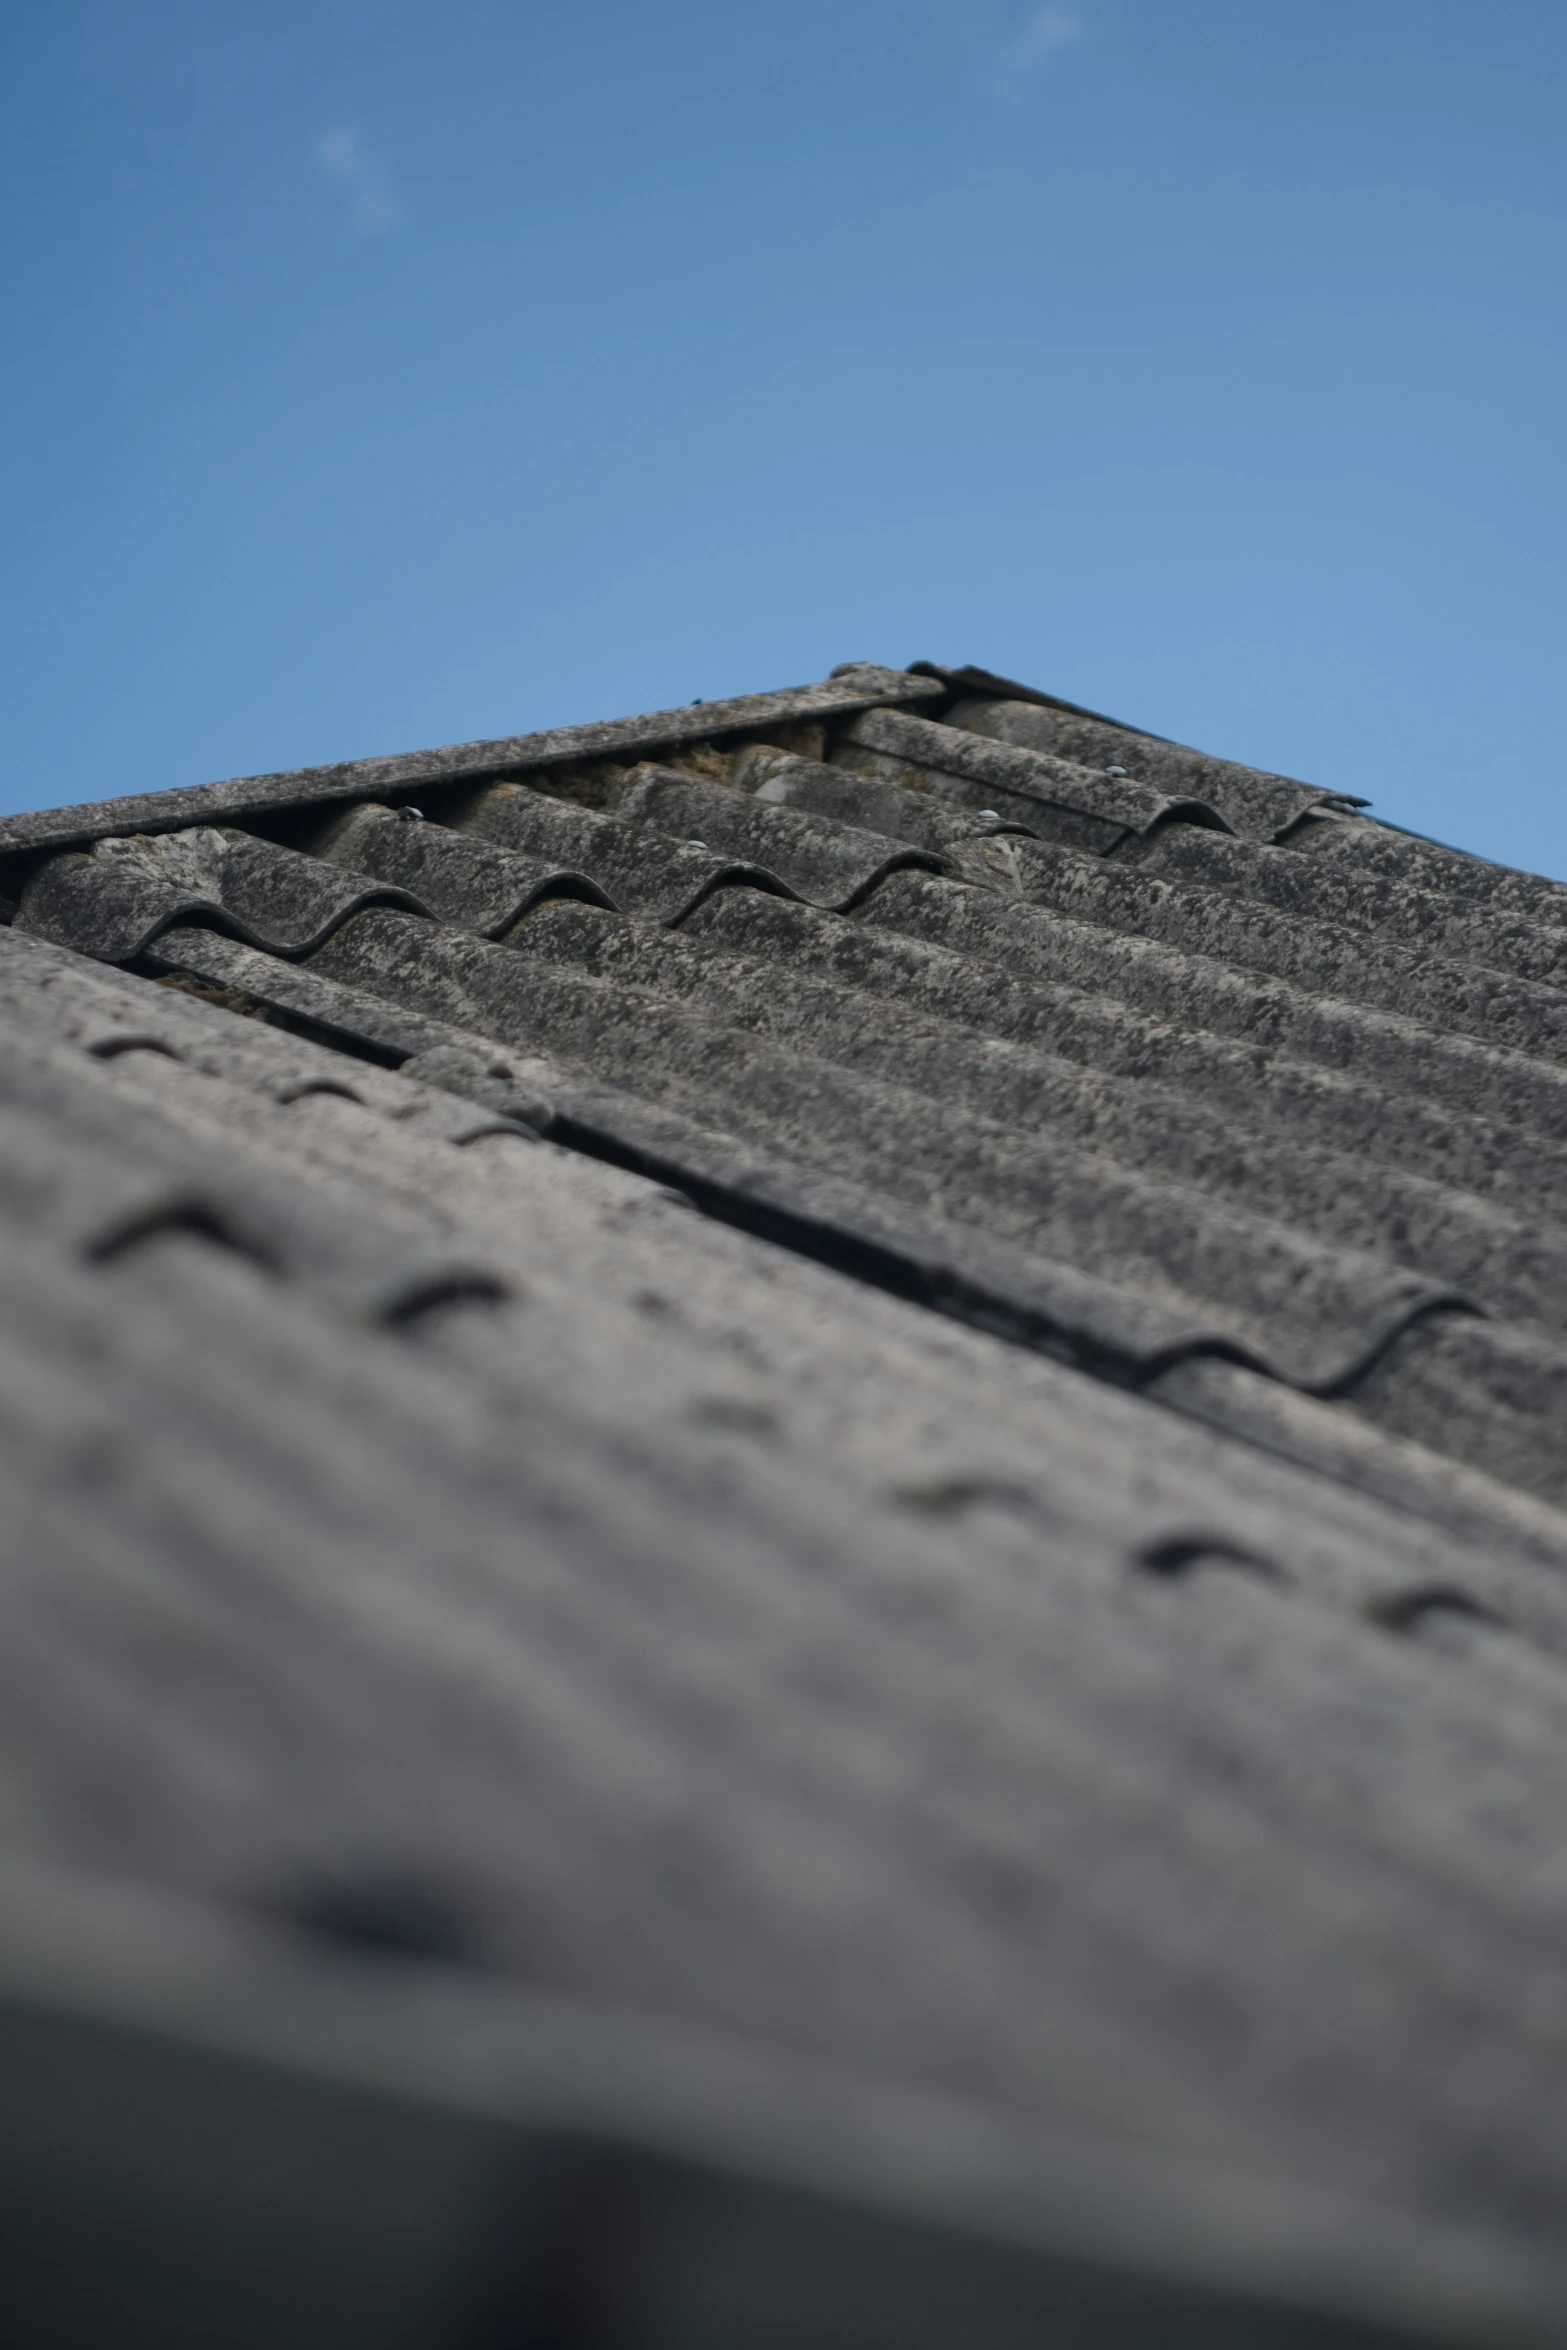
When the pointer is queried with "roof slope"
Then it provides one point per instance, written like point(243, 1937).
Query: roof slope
point(1045, 1589)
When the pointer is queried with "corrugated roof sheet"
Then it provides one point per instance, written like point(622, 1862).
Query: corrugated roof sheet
point(1045, 1590)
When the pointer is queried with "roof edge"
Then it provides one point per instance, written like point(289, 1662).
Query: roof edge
point(505, 2116)
point(858, 686)
point(970, 680)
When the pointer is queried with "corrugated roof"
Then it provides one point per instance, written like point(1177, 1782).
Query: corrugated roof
point(1044, 1590)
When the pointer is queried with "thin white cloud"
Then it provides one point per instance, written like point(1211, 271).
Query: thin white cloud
point(343, 158)
point(1052, 30)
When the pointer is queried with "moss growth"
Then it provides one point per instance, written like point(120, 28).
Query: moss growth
point(229, 999)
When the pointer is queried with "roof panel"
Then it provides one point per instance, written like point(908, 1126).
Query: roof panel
point(894, 1396)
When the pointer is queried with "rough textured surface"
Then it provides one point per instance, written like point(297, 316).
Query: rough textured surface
point(857, 687)
point(868, 1387)
point(1262, 806)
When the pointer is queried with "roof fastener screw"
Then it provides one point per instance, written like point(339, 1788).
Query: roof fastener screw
point(411, 815)
point(1115, 771)
point(696, 844)
point(990, 816)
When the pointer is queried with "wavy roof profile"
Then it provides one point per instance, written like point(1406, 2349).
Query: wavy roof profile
point(855, 1402)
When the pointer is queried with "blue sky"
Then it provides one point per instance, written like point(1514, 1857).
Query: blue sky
point(382, 374)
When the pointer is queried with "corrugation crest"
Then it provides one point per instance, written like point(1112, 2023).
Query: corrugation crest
point(114, 900)
point(674, 838)
point(657, 878)
point(1378, 849)
point(1320, 956)
point(1256, 805)
point(1433, 917)
point(1509, 1264)
point(1313, 1311)
point(1202, 995)
point(926, 751)
point(786, 780)
point(825, 861)
point(1245, 1079)
point(1022, 1290)
point(460, 880)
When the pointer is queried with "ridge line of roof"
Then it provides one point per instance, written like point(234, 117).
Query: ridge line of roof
point(860, 686)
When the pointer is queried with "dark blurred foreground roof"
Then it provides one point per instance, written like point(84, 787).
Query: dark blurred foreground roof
point(787, 1511)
